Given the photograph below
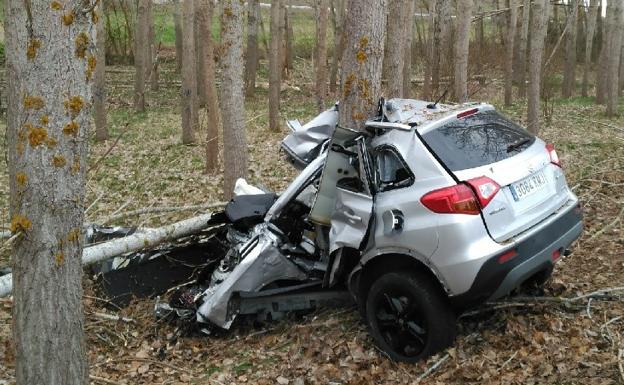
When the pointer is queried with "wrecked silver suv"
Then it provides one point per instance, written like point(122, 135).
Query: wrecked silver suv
point(430, 210)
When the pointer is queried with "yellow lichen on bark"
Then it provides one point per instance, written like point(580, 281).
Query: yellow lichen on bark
point(74, 105)
point(21, 179)
point(91, 64)
point(58, 161)
point(33, 46)
point(44, 120)
point(55, 5)
point(51, 142)
point(68, 18)
point(82, 43)
point(33, 102)
point(94, 17)
point(71, 129)
point(59, 257)
point(348, 87)
point(75, 167)
point(20, 224)
point(73, 235)
point(37, 136)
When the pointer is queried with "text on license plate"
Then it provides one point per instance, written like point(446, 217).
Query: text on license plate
point(528, 185)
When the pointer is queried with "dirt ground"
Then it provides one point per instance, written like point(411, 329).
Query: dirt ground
point(549, 340)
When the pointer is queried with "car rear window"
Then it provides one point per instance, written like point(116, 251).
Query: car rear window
point(483, 138)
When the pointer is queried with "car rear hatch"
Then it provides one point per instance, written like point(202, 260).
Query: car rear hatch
point(515, 176)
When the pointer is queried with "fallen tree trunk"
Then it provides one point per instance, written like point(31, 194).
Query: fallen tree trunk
point(132, 243)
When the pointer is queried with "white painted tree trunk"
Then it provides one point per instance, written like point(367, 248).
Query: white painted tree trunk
point(361, 62)
point(232, 98)
point(50, 64)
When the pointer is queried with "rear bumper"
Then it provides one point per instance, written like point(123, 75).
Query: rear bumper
point(534, 254)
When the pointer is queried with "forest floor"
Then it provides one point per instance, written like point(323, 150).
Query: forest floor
point(564, 342)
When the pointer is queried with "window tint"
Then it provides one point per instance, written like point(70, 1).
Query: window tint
point(391, 171)
point(477, 140)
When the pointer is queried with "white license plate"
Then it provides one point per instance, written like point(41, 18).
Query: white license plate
point(528, 186)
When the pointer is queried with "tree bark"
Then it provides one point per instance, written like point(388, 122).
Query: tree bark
point(199, 56)
point(430, 55)
point(361, 62)
point(290, 38)
point(232, 98)
point(592, 14)
point(210, 85)
point(177, 21)
point(152, 67)
point(462, 43)
point(49, 64)
point(275, 70)
point(603, 65)
point(616, 21)
point(441, 43)
point(99, 85)
point(569, 72)
point(321, 53)
point(512, 16)
point(188, 97)
point(521, 59)
point(407, 60)
point(140, 54)
point(338, 18)
point(539, 19)
point(396, 44)
point(283, 27)
point(251, 66)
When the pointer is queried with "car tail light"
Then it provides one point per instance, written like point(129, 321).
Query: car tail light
point(467, 113)
point(485, 188)
point(458, 199)
point(552, 153)
point(555, 255)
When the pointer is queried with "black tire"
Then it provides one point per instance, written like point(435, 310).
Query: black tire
point(409, 317)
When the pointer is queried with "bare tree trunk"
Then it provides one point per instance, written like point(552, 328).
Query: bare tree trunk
point(338, 18)
point(407, 60)
point(140, 54)
point(275, 61)
point(521, 59)
point(509, 47)
point(569, 72)
point(251, 66)
point(396, 44)
point(232, 99)
point(99, 84)
point(49, 64)
point(152, 68)
point(361, 62)
point(441, 42)
point(592, 14)
point(199, 56)
point(480, 41)
point(615, 16)
point(177, 20)
point(539, 19)
point(283, 28)
point(430, 50)
point(205, 13)
point(603, 66)
point(188, 97)
point(464, 16)
point(321, 53)
point(290, 51)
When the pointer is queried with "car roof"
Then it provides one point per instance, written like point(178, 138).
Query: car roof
point(414, 112)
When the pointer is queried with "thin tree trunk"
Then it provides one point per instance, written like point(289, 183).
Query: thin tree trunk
point(361, 62)
point(539, 19)
point(275, 67)
point(99, 85)
point(338, 11)
point(232, 98)
point(188, 97)
point(569, 72)
point(283, 35)
point(177, 21)
point(206, 11)
point(464, 16)
point(140, 55)
point(49, 64)
point(321, 53)
point(199, 57)
point(441, 42)
point(603, 66)
point(152, 65)
point(430, 50)
point(396, 44)
point(589, 41)
point(480, 41)
point(290, 38)
point(521, 59)
point(251, 66)
point(509, 47)
point(615, 14)
point(407, 60)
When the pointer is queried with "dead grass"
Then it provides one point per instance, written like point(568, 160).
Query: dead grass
point(530, 344)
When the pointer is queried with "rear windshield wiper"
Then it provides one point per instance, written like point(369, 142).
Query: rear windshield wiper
point(517, 144)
